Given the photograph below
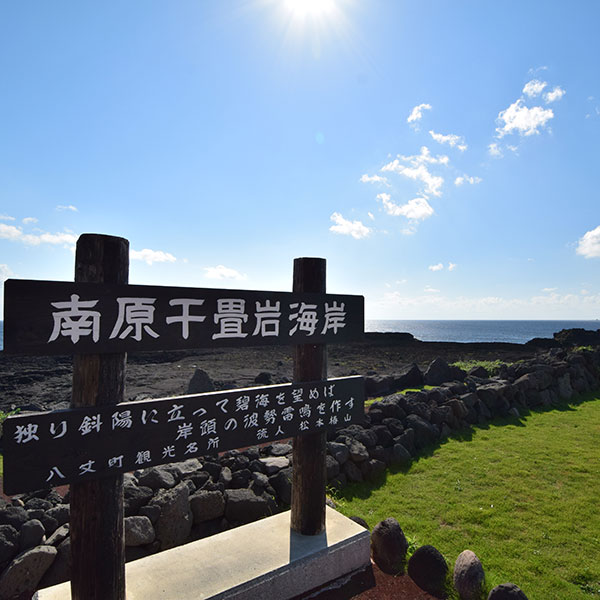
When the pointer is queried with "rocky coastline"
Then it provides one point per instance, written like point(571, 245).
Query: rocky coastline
point(174, 504)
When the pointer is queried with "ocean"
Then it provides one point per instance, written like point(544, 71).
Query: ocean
point(516, 332)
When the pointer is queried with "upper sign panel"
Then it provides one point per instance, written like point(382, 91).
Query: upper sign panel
point(50, 317)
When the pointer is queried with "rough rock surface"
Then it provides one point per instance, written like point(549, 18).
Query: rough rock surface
point(507, 591)
point(25, 571)
point(468, 576)
point(389, 546)
point(428, 569)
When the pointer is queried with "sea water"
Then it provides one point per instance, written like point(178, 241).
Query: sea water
point(516, 332)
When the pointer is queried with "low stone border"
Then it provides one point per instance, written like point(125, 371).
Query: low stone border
point(174, 504)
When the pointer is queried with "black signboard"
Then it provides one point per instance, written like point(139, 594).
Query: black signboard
point(49, 449)
point(50, 317)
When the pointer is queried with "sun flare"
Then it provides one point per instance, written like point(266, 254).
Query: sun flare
point(302, 9)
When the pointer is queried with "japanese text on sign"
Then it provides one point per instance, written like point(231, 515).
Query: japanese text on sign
point(49, 449)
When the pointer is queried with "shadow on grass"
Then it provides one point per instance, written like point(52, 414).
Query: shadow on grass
point(364, 489)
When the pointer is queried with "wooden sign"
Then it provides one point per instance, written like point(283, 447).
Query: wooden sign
point(49, 449)
point(49, 317)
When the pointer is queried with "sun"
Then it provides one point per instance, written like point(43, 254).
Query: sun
point(304, 9)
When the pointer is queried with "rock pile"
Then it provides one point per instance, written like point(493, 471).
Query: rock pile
point(173, 504)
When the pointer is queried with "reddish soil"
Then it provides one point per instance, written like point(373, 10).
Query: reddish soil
point(388, 587)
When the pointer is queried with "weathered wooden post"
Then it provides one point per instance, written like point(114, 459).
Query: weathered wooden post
point(309, 476)
point(97, 537)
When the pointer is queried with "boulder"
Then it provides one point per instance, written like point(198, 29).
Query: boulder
point(134, 497)
point(338, 451)
point(389, 546)
point(200, 383)
point(439, 371)
point(138, 531)
point(174, 524)
point(425, 433)
point(264, 378)
point(244, 506)
point(411, 377)
point(565, 391)
point(401, 456)
point(507, 591)
point(468, 576)
point(31, 534)
point(60, 570)
point(9, 542)
point(358, 452)
point(428, 569)
point(280, 449)
point(207, 505)
point(61, 513)
point(14, 516)
point(157, 478)
point(273, 464)
point(282, 484)
point(332, 466)
point(352, 472)
point(24, 572)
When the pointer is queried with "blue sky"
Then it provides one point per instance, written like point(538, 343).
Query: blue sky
point(442, 156)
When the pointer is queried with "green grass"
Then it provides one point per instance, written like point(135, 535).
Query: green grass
point(370, 401)
point(522, 494)
point(492, 366)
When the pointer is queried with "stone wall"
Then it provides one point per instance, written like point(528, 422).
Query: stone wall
point(174, 504)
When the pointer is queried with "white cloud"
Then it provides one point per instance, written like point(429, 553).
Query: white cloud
point(70, 207)
point(556, 94)
point(6, 218)
point(534, 88)
point(151, 256)
point(417, 113)
point(467, 179)
point(431, 290)
point(518, 118)
point(374, 179)
point(452, 266)
point(15, 234)
point(371, 216)
point(344, 227)
point(29, 220)
point(451, 139)
point(589, 244)
point(414, 167)
point(494, 150)
point(437, 267)
point(416, 209)
point(223, 272)
point(549, 290)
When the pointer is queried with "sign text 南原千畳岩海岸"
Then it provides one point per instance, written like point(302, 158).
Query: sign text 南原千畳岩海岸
point(47, 317)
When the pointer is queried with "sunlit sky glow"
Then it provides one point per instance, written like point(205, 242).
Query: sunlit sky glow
point(443, 157)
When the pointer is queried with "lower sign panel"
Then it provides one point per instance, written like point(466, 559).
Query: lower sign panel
point(54, 448)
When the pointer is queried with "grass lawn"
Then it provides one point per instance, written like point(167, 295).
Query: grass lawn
point(522, 494)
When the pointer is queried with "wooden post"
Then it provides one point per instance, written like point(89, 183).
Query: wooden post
point(309, 476)
point(97, 536)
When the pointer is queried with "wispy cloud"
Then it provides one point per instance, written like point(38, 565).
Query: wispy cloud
point(589, 244)
point(437, 267)
point(431, 290)
point(15, 234)
point(344, 227)
point(62, 207)
point(534, 88)
point(416, 114)
point(29, 220)
point(416, 209)
point(223, 272)
point(415, 167)
point(452, 266)
point(151, 256)
point(466, 179)
point(6, 218)
point(451, 139)
point(495, 150)
point(556, 94)
point(548, 290)
point(374, 179)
